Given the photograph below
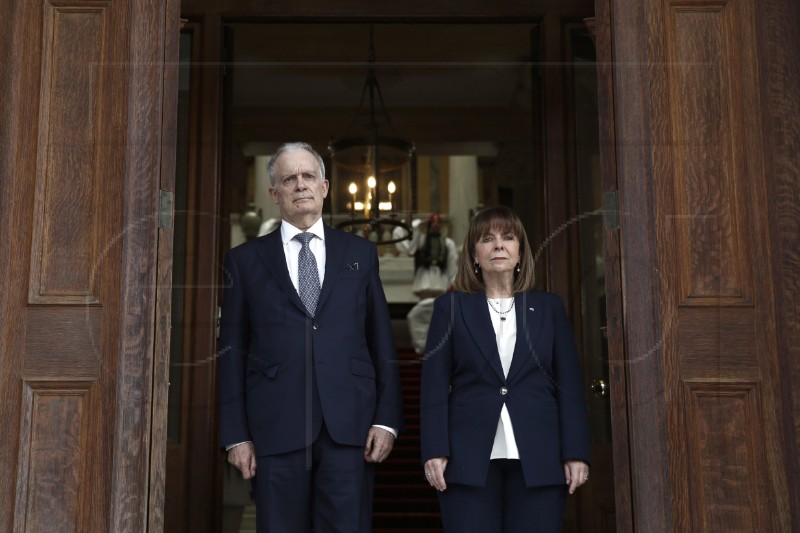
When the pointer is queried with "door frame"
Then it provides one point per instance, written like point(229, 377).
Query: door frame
point(210, 24)
point(615, 316)
point(198, 479)
point(163, 303)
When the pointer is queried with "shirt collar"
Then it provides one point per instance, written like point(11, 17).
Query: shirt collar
point(288, 231)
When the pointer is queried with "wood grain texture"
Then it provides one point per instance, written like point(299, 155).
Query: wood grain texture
point(696, 64)
point(644, 331)
point(35, 345)
point(51, 472)
point(21, 71)
point(63, 343)
point(146, 30)
point(717, 345)
point(68, 183)
point(724, 462)
point(69, 138)
point(163, 332)
point(708, 142)
point(716, 296)
point(615, 328)
point(779, 53)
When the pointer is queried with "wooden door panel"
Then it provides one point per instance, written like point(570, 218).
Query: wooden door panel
point(59, 304)
point(709, 86)
point(725, 465)
point(709, 161)
point(716, 345)
point(62, 343)
point(54, 429)
point(81, 184)
point(67, 232)
point(702, 310)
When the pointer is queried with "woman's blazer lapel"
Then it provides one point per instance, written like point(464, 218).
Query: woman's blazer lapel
point(475, 311)
point(529, 324)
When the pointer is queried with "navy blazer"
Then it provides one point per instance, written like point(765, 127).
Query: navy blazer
point(463, 389)
point(280, 372)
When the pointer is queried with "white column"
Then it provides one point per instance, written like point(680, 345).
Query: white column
point(463, 194)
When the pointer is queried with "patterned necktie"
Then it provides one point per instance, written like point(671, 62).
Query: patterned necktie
point(307, 273)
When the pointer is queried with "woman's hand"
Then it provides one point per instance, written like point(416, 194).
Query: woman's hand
point(576, 474)
point(434, 472)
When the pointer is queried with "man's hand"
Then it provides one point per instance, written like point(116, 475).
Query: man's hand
point(243, 457)
point(379, 445)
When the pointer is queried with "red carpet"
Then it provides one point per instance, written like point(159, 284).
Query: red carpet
point(403, 499)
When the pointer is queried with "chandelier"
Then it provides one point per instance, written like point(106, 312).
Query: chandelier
point(373, 176)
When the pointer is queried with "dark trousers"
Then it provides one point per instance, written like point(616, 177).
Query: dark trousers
point(504, 505)
point(328, 485)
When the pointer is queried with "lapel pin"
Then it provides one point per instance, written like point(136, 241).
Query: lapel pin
point(353, 267)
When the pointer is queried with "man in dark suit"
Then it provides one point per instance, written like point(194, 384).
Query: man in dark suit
point(308, 385)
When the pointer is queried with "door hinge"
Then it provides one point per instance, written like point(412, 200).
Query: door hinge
point(165, 209)
point(610, 210)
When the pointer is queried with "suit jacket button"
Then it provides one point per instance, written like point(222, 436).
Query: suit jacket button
point(503, 391)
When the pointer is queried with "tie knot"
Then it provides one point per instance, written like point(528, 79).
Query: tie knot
point(304, 237)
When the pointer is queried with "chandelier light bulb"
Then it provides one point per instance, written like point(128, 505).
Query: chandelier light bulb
point(371, 152)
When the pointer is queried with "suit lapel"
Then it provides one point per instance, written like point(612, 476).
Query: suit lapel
point(271, 253)
point(335, 250)
point(476, 316)
point(529, 322)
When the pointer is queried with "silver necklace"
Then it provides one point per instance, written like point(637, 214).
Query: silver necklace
point(501, 314)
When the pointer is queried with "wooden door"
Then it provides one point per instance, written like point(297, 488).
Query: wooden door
point(194, 477)
point(706, 114)
point(581, 257)
point(194, 461)
point(86, 138)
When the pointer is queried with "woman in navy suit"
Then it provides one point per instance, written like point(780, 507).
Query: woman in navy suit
point(504, 425)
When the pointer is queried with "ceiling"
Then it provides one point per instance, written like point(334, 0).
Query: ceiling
point(447, 87)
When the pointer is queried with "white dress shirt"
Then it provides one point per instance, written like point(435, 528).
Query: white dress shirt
point(291, 248)
point(505, 331)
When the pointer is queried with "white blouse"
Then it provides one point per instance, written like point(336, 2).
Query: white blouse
point(505, 331)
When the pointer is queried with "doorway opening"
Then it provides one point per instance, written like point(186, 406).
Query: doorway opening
point(499, 114)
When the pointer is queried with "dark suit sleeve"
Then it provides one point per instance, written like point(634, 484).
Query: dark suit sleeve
point(380, 339)
point(232, 357)
point(435, 385)
point(573, 419)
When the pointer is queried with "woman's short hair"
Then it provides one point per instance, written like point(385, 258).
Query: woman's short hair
point(506, 221)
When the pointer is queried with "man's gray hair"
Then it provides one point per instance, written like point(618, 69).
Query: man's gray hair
point(288, 147)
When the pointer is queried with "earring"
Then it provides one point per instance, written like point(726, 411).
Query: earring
point(476, 267)
point(518, 269)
